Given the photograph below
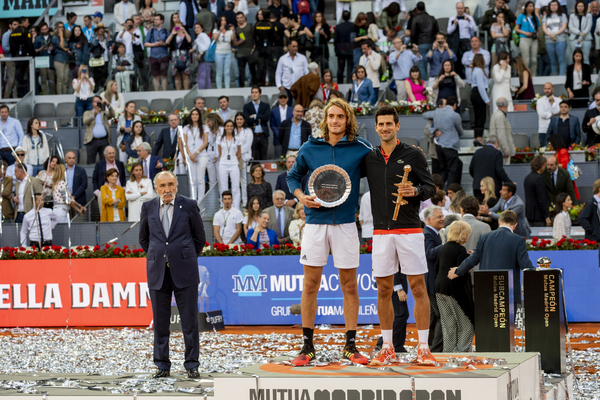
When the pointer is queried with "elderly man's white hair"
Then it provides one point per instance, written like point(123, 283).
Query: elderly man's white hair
point(146, 146)
point(501, 102)
point(161, 173)
point(313, 66)
point(278, 191)
point(109, 147)
point(429, 211)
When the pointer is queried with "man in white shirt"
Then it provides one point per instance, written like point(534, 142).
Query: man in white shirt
point(122, 12)
point(38, 224)
point(227, 222)
point(371, 60)
point(290, 67)
point(466, 28)
point(365, 216)
point(125, 36)
point(546, 107)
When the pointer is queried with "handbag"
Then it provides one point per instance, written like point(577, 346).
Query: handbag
point(573, 170)
point(96, 62)
point(180, 60)
point(210, 54)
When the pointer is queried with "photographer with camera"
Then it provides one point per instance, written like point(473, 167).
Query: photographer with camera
point(402, 59)
point(122, 64)
point(439, 53)
point(44, 48)
point(180, 42)
point(97, 130)
point(461, 27)
point(83, 88)
point(126, 36)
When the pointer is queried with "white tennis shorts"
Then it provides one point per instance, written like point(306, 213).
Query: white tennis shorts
point(408, 249)
point(342, 240)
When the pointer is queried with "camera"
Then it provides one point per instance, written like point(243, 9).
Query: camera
point(409, 45)
point(459, 17)
point(102, 106)
point(84, 71)
point(177, 28)
point(440, 42)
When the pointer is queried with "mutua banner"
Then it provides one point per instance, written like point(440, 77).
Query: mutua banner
point(25, 8)
point(88, 292)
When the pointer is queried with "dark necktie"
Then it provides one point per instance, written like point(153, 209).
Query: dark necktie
point(41, 228)
point(279, 233)
point(553, 180)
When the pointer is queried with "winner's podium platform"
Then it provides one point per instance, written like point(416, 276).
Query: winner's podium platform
point(516, 378)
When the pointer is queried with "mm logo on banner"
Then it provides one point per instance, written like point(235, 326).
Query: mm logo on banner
point(249, 282)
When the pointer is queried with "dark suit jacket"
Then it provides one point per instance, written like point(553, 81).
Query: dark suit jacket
point(433, 245)
point(487, 161)
point(591, 135)
point(131, 152)
point(586, 75)
point(574, 127)
point(276, 120)
point(285, 130)
point(536, 199)
point(262, 117)
point(80, 184)
point(152, 167)
point(289, 216)
point(182, 245)
point(342, 39)
point(164, 141)
point(499, 250)
point(564, 184)
point(100, 171)
point(282, 185)
point(589, 219)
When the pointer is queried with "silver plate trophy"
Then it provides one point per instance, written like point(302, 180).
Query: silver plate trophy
point(331, 184)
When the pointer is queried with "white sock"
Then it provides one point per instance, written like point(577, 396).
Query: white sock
point(387, 337)
point(423, 337)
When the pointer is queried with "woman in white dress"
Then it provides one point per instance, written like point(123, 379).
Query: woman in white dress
point(196, 142)
point(245, 137)
point(297, 225)
point(501, 76)
point(562, 221)
point(230, 154)
point(124, 127)
point(214, 128)
point(60, 195)
point(137, 191)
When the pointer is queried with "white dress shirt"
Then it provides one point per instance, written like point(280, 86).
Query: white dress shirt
point(467, 59)
point(135, 198)
point(466, 26)
point(545, 111)
point(366, 216)
point(127, 40)
point(227, 221)
point(30, 225)
point(290, 70)
point(245, 138)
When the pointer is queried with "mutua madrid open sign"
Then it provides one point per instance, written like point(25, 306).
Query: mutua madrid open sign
point(261, 290)
point(25, 8)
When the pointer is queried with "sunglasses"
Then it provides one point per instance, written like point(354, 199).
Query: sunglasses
point(21, 154)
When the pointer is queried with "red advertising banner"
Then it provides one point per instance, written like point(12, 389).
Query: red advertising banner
point(90, 292)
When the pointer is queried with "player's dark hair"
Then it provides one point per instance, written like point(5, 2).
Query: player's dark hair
point(386, 110)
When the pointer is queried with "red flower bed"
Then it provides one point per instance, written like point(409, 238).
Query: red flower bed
point(58, 252)
point(562, 244)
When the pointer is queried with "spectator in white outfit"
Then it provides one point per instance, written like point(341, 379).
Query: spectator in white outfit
point(562, 221)
point(245, 137)
point(112, 96)
point(501, 75)
point(227, 222)
point(546, 107)
point(214, 128)
point(137, 191)
point(371, 60)
point(122, 11)
point(230, 154)
point(196, 142)
point(290, 67)
point(122, 64)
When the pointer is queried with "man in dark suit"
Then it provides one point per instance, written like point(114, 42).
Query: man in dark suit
point(557, 180)
point(172, 235)
point(220, 7)
point(152, 165)
point(589, 219)
point(565, 125)
point(258, 114)
point(290, 200)
point(167, 139)
point(536, 201)
point(76, 179)
point(433, 243)
point(487, 161)
point(294, 132)
point(343, 46)
point(510, 201)
point(104, 165)
point(280, 225)
point(279, 114)
point(500, 250)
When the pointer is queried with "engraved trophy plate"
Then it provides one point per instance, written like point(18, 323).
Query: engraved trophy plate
point(331, 184)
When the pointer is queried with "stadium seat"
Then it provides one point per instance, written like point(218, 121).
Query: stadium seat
point(534, 140)
point(443, 24)
point(157, 105)
point(43, 110)
point(66, 110)
point(409, 141)
point(82, 156)
point(236, 102)
point(139, 103)
point(424, 145)
point(520, 140)
point(211, 102)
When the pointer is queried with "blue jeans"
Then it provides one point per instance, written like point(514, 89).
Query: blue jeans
point(556, 52)
point(223, 64)
point(543, 141)
point(423, 50)
point(82, 105)
point(356, 54)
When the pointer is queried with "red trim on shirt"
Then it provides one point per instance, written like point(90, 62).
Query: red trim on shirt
point(386, 156)
point(402, 231)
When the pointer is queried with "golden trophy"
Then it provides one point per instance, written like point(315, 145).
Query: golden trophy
point(405, 182)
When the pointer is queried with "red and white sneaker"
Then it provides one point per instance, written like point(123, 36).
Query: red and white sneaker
point(385, 356)
point(424, 356)
point(351, 353)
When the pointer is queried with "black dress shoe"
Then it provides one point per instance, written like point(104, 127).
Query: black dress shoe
point(477, 143)
point(162, 373)
point(193, 373)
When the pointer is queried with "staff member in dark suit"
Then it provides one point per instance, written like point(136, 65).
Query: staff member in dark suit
point(487, 161)
point(172, 234)
point(258, 114)
point(167, 139)
point(294, 132)
point(433, 244)
point(557, 180)
point(343, 46)
point(290, 200)
point(501, 249)
point(77, 179)
point(279, 114)
point(589, 219)
point(536, 201)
